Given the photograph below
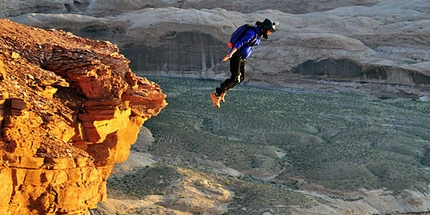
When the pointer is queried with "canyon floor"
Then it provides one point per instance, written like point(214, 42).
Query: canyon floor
point(322, 148)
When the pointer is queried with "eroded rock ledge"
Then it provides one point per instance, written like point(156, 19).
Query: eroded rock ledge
point(69, 110)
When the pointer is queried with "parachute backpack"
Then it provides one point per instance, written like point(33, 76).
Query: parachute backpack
point(239, 33)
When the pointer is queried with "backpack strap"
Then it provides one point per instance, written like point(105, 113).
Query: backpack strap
point(256, 36)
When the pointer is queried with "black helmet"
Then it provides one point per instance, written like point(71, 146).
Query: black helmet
point(269, 24)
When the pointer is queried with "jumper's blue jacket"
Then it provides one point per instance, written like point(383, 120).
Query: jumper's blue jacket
point(245, 44)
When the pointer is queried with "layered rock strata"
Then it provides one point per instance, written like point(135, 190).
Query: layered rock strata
point(370, 42)
point(103, 8)
point(69, 110)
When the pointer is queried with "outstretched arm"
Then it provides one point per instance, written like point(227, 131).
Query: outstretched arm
point(228, 56)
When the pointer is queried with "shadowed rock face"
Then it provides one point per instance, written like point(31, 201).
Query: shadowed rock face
point(329, 67)
point(16, 8)
point(344, 69)
point(185, 52)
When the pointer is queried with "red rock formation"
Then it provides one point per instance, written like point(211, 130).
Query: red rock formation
point(69, 110)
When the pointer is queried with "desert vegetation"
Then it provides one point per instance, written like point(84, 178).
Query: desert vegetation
point(281, 140)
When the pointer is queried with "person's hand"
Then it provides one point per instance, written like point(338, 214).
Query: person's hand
point(226, 58)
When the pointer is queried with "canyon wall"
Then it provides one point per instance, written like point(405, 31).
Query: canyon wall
point(102, 8)
point(69, 110)
point(387, 41)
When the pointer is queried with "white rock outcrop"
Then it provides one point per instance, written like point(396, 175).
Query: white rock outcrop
point(387, 42)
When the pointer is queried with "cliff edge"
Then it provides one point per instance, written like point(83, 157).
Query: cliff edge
point(69, 110)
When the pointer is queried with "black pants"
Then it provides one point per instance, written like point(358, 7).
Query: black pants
point(237, 69)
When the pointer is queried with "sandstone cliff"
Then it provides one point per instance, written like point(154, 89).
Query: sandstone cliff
point(69, 110)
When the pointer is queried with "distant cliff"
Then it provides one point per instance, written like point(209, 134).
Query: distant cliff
point(372, 41)
point(69, 110)
point(104, 8)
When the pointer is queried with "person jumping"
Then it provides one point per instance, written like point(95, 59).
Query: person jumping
point(241, 43)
